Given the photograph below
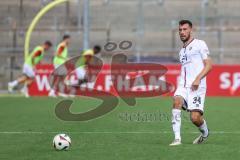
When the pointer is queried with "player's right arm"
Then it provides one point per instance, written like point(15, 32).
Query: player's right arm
point(36, 54)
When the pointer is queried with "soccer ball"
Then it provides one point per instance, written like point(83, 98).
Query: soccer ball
point(61, 142)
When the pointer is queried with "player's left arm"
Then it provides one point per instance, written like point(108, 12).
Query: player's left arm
point(207, 61)
point(60, 51)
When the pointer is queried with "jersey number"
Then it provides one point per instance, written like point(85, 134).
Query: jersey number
point(197, 100)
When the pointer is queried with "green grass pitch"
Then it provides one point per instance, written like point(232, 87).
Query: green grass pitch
point(27, 127)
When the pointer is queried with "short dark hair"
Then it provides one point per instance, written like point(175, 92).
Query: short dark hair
point(66, 36)
point(97, 49)
point(49, 43)
point(182, 22)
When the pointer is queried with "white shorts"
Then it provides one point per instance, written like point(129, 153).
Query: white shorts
point(193, 100)
point(28, 71)
point(81, 73)
point(56, 66)
point(60, 71)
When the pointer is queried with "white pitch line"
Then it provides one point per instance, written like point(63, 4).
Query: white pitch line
point(163, 132)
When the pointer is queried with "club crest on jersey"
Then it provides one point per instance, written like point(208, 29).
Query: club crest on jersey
point(190, 48)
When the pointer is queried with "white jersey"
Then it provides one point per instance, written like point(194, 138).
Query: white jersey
point(191, 58)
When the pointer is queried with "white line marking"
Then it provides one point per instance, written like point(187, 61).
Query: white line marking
point(106, 132)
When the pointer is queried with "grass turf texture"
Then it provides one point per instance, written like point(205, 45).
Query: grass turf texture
point(28, 125)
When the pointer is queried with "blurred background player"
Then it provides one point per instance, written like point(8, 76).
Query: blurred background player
point(191, 90)
point(87, 56)
point(60, 58)
point(28, 68)
point(82, 64)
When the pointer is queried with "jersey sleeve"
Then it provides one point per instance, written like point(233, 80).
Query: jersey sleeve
point(204, 51)
point(36, 54)
point(60, 50)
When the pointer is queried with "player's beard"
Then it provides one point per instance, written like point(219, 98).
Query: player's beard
point(186, 39)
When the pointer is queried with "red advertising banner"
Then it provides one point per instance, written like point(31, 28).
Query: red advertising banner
point(224, 80)
point(41, 85)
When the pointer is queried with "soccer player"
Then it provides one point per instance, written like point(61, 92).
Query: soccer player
point(28, 68)
point(81, 70)
point(87, 56)
point(60, 58)
point(191, 90)
point(82, 63)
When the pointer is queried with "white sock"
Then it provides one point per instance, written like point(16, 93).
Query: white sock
point(25, 87)
point(203, 129)
point(176, 123)
point(52, 92)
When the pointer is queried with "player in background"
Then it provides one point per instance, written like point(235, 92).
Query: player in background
point(60, 57)
point(87, 56)
point(191, 90)
point(82, 66)
point(28, 68)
